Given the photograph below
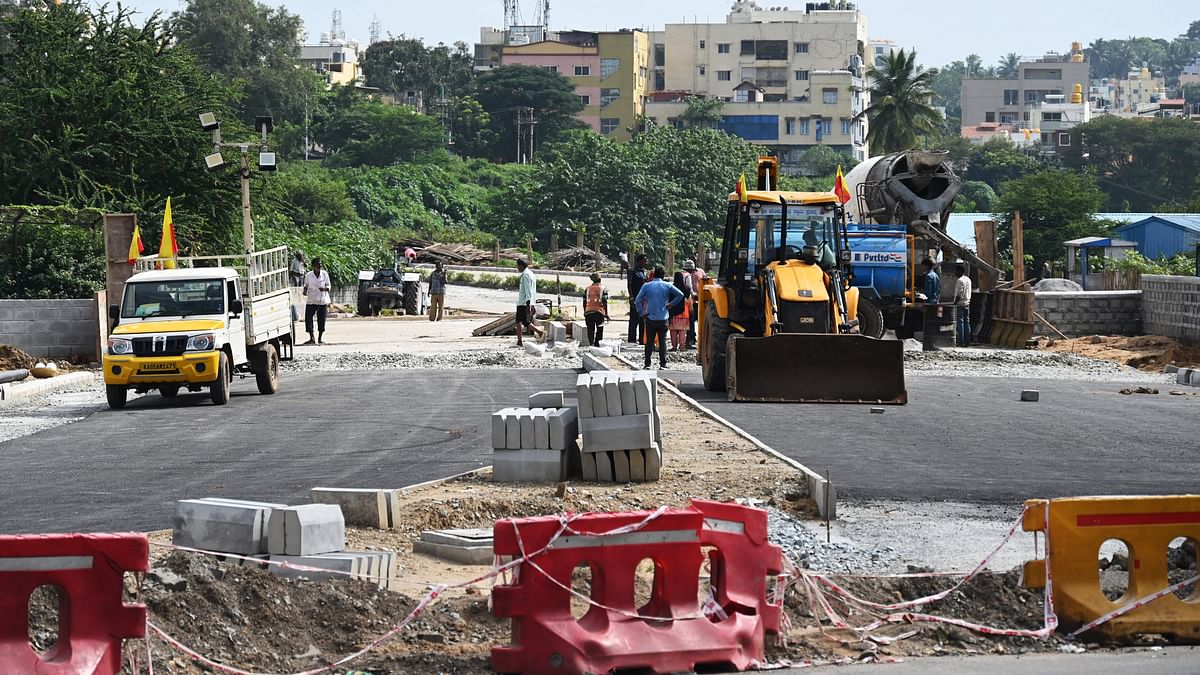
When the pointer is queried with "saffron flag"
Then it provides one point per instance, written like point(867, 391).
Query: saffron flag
point(839, 187)
point(741, 189)
point(168, 248)
point(135, 245)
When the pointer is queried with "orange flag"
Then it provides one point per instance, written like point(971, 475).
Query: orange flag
point(741, 189)
point(168, 248)
point(135, 245)
point(839, 187)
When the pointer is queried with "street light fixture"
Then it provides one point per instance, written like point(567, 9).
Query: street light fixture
point(263, 124)
point(266, 161)
point(208, 122)
point(214, 161)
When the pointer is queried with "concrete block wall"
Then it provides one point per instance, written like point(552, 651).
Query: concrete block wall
point(1089, 313)
point(56, 329)
point(1171, 306)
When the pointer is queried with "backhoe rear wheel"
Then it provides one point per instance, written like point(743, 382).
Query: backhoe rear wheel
point(716, 335)
point(870, 319)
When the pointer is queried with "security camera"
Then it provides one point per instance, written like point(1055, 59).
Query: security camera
point(208, 122)
point(214, 161)
point(266, 161)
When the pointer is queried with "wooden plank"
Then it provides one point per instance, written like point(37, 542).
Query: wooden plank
point(1018, 250)
point(985, 245)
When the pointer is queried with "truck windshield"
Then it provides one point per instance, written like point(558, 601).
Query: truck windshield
point(174, 298)
point(810, 230)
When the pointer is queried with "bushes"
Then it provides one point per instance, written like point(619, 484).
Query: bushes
point(52, 252)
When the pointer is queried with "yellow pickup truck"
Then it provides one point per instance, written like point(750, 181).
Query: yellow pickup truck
point(197, 326)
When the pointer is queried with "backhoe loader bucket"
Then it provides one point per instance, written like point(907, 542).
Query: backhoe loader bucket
point(815, 368)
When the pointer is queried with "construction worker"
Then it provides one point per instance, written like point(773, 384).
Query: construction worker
point(653, 302)
point(634, 282)
point(933, 283)
point(437, 291)
point(526, 294)
point(962, 305)
point(595, 309)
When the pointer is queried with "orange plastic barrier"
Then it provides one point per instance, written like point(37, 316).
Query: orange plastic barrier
point(88, 571)
point(1075, 530)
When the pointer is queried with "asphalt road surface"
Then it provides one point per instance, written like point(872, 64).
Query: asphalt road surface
point(124, 470)
point(972, 439)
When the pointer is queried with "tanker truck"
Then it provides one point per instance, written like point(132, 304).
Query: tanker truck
point(897, 216)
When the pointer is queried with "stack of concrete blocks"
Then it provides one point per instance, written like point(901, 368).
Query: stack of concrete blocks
point(1188, 376)
point(1170, 306)
point(1082, 313)
point(362, 507)
point(535, 444)
point(621, 426)
point(312, 535)
point(469, 546)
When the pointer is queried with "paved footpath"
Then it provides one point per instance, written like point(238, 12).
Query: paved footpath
point(124, 470)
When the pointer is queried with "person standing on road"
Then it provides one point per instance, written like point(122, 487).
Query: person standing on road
point(595, 309)
point(933, 283)
point(634, 282)
point(297, 268)
point(654, 302)
point(316, 293)
point(962, 305)
point(526, 293)
point(681, 313)
point(437, 291)
point(698, 278)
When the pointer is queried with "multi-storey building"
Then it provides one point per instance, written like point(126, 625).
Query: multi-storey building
point(1010, 102)
point(789, 79)
point(1140, 90)
point(337, 60)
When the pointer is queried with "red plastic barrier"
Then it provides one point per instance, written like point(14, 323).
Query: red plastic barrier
point(88, 570)
point(745, 565)
point(668, 634)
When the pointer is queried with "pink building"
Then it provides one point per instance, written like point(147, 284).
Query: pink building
point(579, 63)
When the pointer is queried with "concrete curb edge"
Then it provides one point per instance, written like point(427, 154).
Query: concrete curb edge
point(23, 391)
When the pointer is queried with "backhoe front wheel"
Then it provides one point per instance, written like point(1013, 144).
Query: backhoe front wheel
point(716, 335)
point(870, 319)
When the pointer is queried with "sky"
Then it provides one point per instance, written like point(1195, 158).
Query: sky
point(940, 30)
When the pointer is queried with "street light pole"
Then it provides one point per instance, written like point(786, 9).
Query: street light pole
point(247, 219)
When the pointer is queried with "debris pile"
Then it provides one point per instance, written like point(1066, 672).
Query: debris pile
point(578, 257)
point(1151, 353)
point(15, 358)
point(455, 254)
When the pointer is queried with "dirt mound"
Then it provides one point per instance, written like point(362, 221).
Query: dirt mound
point(13, 358)
point(1056, 286)
point(1144, 352)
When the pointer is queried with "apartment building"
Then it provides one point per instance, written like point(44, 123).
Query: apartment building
point(789, 79)
point(1010, 102)
point(336, 60)
point(1138, 91)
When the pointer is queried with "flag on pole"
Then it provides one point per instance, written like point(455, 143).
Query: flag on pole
point(741, 189)
point(839, 187)
point(168, 248)
point(135, 245)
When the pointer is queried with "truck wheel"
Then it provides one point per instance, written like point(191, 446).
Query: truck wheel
point(116, 395)
point(169, 390)
point(870, 319)
point(219, 390)
point(716, 335)
point(411, 291)
point(266, 370)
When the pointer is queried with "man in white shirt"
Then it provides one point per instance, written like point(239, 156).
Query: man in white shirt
point(297, 269)
point(316, 292)
point(962, 305)
point(526, 294)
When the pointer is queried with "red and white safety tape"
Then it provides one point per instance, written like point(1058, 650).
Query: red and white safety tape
point(1129, 607)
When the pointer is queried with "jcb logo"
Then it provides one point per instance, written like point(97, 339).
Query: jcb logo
point(807, 319)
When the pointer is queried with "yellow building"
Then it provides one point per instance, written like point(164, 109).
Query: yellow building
point(624, 81)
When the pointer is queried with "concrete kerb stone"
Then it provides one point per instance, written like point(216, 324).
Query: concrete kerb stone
point(579, 332)
point(564, 428)
point(12, 392)
point(546, 399)
point(222, 525)
point(500, 427)
point(469, 547)
point(361, 507)
point(1188, 376)
point(624, 432)
point(583, 393)
point(591, 363)
point(308, 529)
point(529, 465)
point(822, 492)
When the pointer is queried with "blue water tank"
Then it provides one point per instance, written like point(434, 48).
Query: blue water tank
point(879, 256)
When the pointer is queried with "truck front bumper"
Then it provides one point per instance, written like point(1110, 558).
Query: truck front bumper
point(197, 368)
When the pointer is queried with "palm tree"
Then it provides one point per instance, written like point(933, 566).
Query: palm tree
point(1008, 65)
point(899, 111)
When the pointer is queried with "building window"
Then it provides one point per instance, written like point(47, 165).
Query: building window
point(1064, 139)
point(1052, 117)
point(989, 116)
point(585, 99)
point(1025, 116)
point(804, 124)
point(660, 55)
point(789, 126)
point(1012, 97)
point(609, 95)
point(660, 80)
point(801, 75)
point(1008, 118)
point(824, 127)
point(583, 71)
point(703, 70)
point(801, 47)
point(845, 127)
point(609, 67)
point(724, 75)
point(702, 44)
point(722, 47)
point(609, 124)
point(553, 69)
point(829, 96)
point(747, 47)
point(770, 50)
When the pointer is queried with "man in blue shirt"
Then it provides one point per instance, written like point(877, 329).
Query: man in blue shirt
point(653, 303)
point(933, 283)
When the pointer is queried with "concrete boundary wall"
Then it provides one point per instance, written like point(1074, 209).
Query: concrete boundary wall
point(55, 329)
point(1082, 313)
point(1171, 306)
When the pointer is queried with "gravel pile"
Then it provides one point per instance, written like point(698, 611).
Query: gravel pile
point(1027, 363)
point(508, 357)
point(809, 550)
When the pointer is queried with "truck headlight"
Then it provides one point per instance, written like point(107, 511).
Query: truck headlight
point(119, 346)
point(201, 343)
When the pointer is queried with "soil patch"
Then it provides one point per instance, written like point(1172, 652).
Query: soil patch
point(15, 358)
point(1150, 353)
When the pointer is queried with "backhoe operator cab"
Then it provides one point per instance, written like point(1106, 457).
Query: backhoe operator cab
point(779, 321)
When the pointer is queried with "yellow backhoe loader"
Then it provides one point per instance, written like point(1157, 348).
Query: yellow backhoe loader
point(778, 322)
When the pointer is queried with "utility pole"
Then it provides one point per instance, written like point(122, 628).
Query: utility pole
point(525, 122)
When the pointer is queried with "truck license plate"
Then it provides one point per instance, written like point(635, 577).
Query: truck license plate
point(157, 367)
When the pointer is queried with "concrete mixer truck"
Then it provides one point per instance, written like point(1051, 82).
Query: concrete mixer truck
point(897, 216)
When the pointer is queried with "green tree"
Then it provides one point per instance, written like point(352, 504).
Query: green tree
point(306, 194)
point(899, 110)
point(361, 131)
point(405, 64)
point(997, 160)
point(975, 197)
point(946, 84)
point(1007, 68)
point(1056, 205)
point(256, 47)
point(97, 111)
point(702, 112)
point(469, 127)
point(1193, 31)
point(1150, 163)
point(551, 96)
point(822, 160)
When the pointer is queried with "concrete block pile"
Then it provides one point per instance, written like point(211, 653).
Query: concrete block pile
point(621, 426)
point(466, 546)
point(535, 444)
point(1188, 376)
point(312, 535)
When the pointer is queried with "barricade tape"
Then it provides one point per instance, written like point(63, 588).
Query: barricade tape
point(1129, 607)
